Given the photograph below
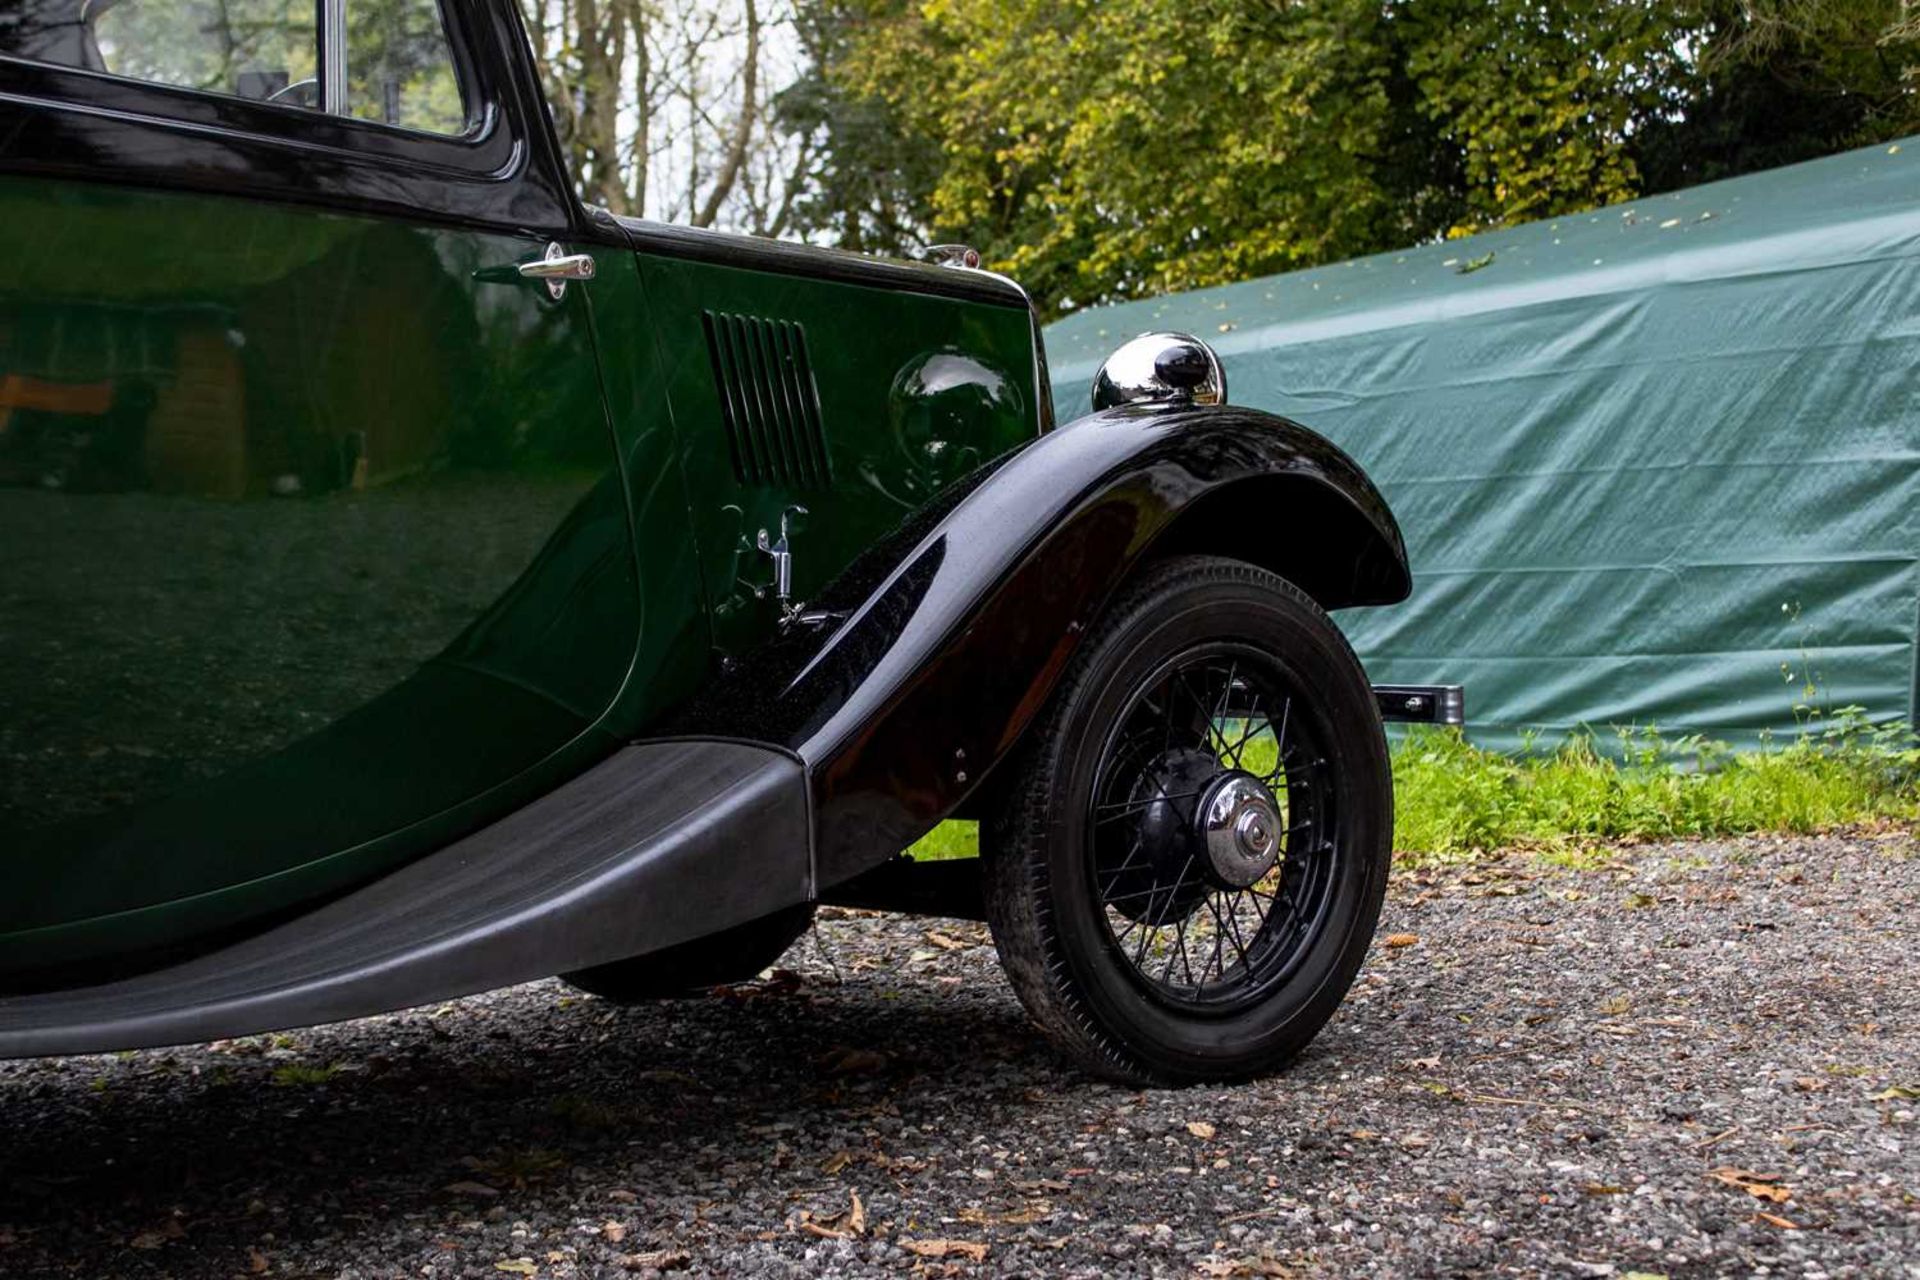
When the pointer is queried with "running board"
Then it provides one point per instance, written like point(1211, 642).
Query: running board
point(661, 843)
point(1422, 703)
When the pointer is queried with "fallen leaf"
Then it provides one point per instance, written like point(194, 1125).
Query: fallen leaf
point(1896, 1093)
point(655, 1260)
point(857, 1216)
point(1398, 940)
point(518, 1266)
point(969, 1249)
point(1200, 1129)
point(1604, 1189)
point(168, 1230)
point(613, 1231)
point(469, 1189)
point(944, 941)
point(1761, 1186)
point(1264, 1265)
point(1423, 1064)
point(845, 1062)
point(623, 1196)
point(1775, 1219)
point(836, 1162)
point(256, 1262)
point(825, 1233)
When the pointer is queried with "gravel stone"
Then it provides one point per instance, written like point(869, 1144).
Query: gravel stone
point(1686, 1060)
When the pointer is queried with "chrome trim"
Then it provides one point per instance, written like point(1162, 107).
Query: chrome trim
point(953, 255)
point(1422, 703)
point(557, 267)
point(1240, 825)
point(333, 57)
point(1160, 368)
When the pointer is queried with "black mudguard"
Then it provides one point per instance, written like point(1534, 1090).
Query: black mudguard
point(949, 636)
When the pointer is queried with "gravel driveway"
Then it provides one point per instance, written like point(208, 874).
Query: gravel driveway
point(1691, 1060)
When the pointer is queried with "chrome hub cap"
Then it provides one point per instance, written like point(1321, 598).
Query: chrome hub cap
point(1240, 827)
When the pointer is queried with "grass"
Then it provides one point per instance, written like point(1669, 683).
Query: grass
point(1454, 800)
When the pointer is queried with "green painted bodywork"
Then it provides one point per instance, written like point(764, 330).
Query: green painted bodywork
point(914, 392)
point(330, 539)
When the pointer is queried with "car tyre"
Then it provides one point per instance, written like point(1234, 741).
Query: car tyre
point(1106, 870)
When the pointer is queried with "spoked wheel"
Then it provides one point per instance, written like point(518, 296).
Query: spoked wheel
point(1208, 821)
point(1191, 868)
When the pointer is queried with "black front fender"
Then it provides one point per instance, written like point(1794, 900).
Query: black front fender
point(953, 632)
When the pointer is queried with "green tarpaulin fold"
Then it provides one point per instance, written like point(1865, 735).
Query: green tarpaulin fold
point(1651, 462)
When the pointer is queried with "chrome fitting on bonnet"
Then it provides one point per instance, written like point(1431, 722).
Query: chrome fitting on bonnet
point(1160, 368)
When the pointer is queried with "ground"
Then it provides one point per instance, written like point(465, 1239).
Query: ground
point(1685, 1060)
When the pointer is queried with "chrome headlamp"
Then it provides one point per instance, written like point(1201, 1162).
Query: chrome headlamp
point(1160, 368)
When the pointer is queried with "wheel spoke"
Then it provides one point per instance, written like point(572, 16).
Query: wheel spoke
point(1186, 937)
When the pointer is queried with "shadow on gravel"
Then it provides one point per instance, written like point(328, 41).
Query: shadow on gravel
point(174, 1161)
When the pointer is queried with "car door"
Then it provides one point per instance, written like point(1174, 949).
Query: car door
point(318, 542)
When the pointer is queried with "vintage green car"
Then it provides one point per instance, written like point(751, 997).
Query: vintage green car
point(417, 582)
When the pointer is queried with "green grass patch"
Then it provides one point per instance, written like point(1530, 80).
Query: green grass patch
point(1453, 800)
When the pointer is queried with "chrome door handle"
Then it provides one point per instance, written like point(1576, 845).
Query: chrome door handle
point(558, 267)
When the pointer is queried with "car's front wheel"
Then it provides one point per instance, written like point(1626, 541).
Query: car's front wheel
point(1192, 859)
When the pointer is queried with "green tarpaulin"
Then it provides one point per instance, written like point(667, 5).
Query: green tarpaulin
point(1646, 459)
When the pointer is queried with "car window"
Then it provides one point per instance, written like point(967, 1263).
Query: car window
point(400, 68)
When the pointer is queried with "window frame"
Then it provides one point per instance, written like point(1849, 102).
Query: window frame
point(503, 171)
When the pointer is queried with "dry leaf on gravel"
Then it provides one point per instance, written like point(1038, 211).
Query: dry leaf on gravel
point(655, 1260)
point(1230, 1267)
point(1774, 1219)
point(857, 1216)
point(168, 1230)
point(1897, 1093)
point(973, 1251)
point(1398, 940)
point(836, 1162)
point(1200, 1129)
point(469, 1189)
point(944, 941)
point(517, 1266)
point(613, 1231)
point(843, 1061)
point(256, 1262)
point(1761, 1186)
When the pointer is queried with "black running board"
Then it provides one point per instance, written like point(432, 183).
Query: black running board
point(661, 843)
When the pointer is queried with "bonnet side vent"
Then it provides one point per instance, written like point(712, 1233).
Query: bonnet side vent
point(768, 401)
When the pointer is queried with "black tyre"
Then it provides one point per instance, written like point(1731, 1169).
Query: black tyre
point(732, 955)
point(1191, 861)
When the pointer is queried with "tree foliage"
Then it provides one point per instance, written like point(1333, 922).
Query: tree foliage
point(1102, 149)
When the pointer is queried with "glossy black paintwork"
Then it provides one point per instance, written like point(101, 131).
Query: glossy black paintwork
point(506, 173)
point(956, 628)
point(784, 257)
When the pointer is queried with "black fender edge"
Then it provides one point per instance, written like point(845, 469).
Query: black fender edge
point(924, 663)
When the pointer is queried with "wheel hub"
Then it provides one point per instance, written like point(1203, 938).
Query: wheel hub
point(1239, 827)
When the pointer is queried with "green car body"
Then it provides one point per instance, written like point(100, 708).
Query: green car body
point(335, 536)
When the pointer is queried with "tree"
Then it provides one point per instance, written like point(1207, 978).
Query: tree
point(1779, 81)
point(658, 103)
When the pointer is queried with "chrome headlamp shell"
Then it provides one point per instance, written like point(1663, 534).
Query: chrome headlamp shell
point(1160, 368)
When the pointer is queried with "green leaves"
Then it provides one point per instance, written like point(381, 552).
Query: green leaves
point(1111, 150)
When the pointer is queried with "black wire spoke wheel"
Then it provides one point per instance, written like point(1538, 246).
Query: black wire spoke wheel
point(1209, 830)
point(1187, 872)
